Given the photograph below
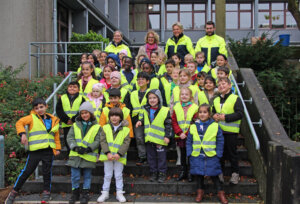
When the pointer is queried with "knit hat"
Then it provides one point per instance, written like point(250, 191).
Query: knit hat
point(98, 86)
point(86, 106)
point(123, 52)
point(115, 74)
point(145, 60)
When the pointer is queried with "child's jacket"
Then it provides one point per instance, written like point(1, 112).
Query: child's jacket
point(115, 142)
point(85, 160)
point(206, 151)
point(39, 137)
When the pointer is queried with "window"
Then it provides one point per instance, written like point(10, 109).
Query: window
point(232, 16)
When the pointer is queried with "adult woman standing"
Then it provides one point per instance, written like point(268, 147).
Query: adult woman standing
point(179, 43)
point(151, 40)
point(117, 45)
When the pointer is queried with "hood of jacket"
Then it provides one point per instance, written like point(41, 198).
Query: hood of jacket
point(113, 57)
point(158, 94)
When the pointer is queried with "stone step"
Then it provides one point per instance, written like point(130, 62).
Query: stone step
point(59, 168)
point(134, 198)
point(171, 154)
point(247, 185)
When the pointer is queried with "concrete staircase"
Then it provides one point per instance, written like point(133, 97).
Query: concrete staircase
point(139, 189)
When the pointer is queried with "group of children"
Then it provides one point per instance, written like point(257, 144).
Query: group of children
point(157, 103)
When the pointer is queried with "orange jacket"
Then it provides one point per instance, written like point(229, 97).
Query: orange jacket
point(103, 117)
point(27, 120)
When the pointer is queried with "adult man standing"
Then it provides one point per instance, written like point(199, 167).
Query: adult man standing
point(211, 44)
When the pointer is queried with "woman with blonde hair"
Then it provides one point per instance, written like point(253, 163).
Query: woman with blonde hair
point(152, 41)
point(116, 46)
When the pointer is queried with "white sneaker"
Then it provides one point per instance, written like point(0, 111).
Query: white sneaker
point(104, 196)
point(178, 163)
point(221, 177)
point(120, 197)
point(235, 177)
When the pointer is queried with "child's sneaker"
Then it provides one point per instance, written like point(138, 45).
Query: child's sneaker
point(104, 196)
point(11, 197)
point(153, 176)
point(235, 177)
point(120, 197)
point(161, 177)
point(46, 197)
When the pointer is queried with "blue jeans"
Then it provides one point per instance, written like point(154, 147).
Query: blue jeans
point(75, 177)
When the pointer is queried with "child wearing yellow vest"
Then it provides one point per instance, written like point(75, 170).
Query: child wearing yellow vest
point(83, 59)
point(115, 142)
point(209, 93)
point(204, 147)
point(43, 142)
point(166, 80)
point(97, 99)
point(156, 121)
point(183, 115)
point(67, 108)
point(86, 79)
point(84, 141)
point(228, 111)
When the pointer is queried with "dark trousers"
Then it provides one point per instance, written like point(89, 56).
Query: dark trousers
point(156, 157)
point(230, 152)
point(215, 179)
point(33, 159)
point(66, 131)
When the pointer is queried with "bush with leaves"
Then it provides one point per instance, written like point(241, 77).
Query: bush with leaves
point(84, 48)
point(279, 79)
point(16, 96)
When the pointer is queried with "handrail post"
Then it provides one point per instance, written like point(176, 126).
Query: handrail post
point(55, 97)
point(2, 162)
point(66, 57)
point(38, 62)
point(29, 60)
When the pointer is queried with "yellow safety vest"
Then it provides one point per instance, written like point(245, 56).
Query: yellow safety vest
point(97, 111)
point(125, 83)
point(202, 98)
point(123, 91)
point(39, 138)
point(126, 112)
point(155, 131)
point(205, 69)
point(88, 139)
point(89, 87)
point(184, 123)
point(111, 48)
point(176, 93)
point(162, 70)
point(135, 102)
point(182, 47)
point(114, 144)
point(68, 109)
point(154, 84)
point(227, 108)
point(208, 143)
point(167, 87)
point(98, 71)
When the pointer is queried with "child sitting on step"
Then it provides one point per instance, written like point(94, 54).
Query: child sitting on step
point(115, 142)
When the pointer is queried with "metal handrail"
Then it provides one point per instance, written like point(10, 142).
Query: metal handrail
point(250, 123)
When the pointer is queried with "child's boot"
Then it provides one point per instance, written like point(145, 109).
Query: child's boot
point(75, 196)
point(182, 173)
point(85, 196)
point(161, 177)
point(200, 194)
point(104, 196)
point(11, 197)
point(46, 197)
point(222, 198)
point(153, 176)
point(178, 163)
point(120, 197)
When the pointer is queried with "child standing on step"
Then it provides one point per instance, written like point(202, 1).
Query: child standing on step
point(228, 111)
point(96, 98)
point(43, 142)
point(205, 148)
point(209, 93)
point(86, 79)
point(202, 65)
point(115, 142)
point(67, 108)
point(183, 115)
point(156, 122)
point(84, 141)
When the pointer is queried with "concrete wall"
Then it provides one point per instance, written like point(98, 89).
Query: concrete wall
point(124, 16)
point(22, 22)
point(114, 10)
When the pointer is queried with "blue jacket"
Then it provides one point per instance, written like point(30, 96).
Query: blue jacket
point(203, 165)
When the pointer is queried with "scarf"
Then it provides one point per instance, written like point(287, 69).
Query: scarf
point(150, 48)
point(186, 104)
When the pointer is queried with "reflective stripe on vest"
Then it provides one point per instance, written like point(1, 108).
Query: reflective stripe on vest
point(155, 131)
point(124, 82)
point(114, 144)
point(227, 108)
point(184, 123)
point(88, 88)
point(208, 143)
point(126, 112)
point(88, 139)
point(167, 87)
point(135, 102)
point(97, 111)
point(176, 93)
point(68, 109)
point(39, 138)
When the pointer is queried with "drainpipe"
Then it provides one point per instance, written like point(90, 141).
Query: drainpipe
point(162, 14)
point(256, 18)
point(55, 35)
point(208, 10)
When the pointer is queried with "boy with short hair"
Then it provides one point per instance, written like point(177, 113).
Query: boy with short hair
point(114, 101)
point(166, 80)
point(225, 72)
point(192, 67)
point(188, 58)
point(228, 110)
point(67, 108)
point(43, 142)
point(202, 65)
point(138, 99)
